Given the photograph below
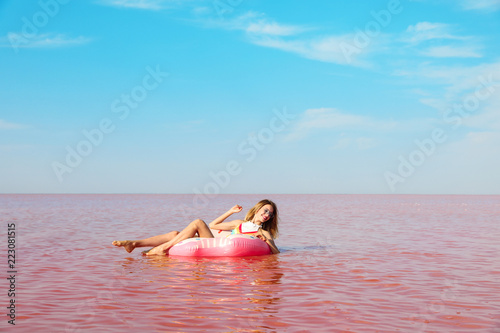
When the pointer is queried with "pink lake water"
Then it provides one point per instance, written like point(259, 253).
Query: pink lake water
point(349, 263)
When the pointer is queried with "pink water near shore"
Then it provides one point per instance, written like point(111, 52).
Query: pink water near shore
point(349, 263)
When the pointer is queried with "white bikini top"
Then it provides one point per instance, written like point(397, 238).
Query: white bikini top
point(249, 227)
point(246, 228)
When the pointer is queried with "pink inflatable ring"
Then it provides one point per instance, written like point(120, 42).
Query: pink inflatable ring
point(230, 246)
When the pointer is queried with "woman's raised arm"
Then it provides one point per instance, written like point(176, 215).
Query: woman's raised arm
point(218, 225)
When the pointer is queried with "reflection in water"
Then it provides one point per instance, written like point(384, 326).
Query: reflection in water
point(245, 292)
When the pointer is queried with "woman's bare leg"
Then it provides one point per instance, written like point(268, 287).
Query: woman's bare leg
point(130, 245)
point(196, 227)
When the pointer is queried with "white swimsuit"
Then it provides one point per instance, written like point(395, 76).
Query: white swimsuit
point(246, 228)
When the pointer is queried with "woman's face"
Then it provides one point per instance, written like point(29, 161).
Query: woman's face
point(265, 213)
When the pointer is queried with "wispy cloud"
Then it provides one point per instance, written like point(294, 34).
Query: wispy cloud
point(481, 4)
point(326, 49)
point(422, 39)
point(48, 40)
point(438, 40)
point(136, 4)
point(448, 51)
point(469, 94)
point(427, 39)
point(14, 148)
point(360, 143)
point(313, 120)
point(186, 127)
point(154, 5)
point(488, 118)
point(5, 125)
point(459, 80)
point(271, 28)
point(302, 40)
point(255, 23)
point(425, 31)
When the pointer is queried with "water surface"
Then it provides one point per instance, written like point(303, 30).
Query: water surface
point(349, 263)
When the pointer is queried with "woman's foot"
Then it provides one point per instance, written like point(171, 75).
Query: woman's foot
point(129, 246)
point(157, 251)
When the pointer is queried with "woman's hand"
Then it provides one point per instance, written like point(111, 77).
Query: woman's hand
point(266, 237)
point(236, 209)
point(262, 237)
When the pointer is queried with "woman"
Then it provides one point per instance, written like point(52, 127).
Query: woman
point(261, 221)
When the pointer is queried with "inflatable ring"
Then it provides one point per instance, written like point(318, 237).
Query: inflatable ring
point(230, 246)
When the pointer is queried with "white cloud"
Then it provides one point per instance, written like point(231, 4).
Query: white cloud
point(435, 103)
point(451, 45)
point(4, 125)
point(190, 126)
point(483, 138)
point(425, 31)
point(344, 49)
point(327, 49)
point(338, 49)
point(359, 143)
point(137, 4)
point(469, 96)
point(465, 166)
point(428, 39)
point(200, 11)
point(255, 25)
point(272, 28)
point(481, 4)
point(265, 32)
point(457, 79)
point(14, 148)
point(365, 143)
point(333, 119)
point(489, 117)
point(48, 40)
point(470, 165)
point(447, 51)
point(426, 27)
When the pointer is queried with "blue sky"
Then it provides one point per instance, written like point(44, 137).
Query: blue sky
point(240, 96)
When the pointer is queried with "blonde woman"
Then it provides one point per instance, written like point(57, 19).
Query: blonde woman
point(260, 221)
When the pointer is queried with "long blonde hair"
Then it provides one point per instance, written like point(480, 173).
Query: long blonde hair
point(270, 225)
